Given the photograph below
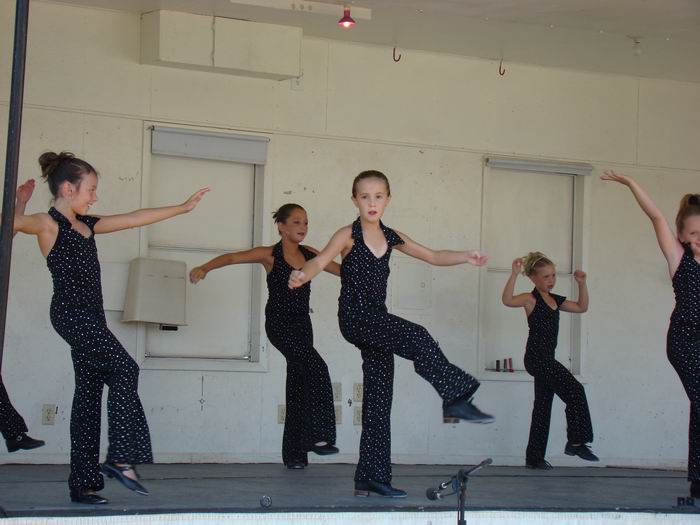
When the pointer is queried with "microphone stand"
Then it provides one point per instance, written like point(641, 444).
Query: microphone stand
point(458, 483)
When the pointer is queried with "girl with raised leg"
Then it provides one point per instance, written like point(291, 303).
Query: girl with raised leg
point(12, 425)
point(365, 246)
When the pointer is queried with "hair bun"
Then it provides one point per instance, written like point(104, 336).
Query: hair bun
point(50, 160)
point(283, 212)
point(531, 260)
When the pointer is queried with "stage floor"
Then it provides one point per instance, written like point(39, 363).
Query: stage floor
point(41, 490)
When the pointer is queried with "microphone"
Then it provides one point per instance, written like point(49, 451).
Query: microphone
point(487, 461)
point(433, 494)
point(436, 493)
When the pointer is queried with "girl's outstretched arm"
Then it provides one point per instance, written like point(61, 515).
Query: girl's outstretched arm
point(123, 221)
point(514, 301)
point(261, 254)
point(332, 267)
point(24, 193)
point(669, 244)
point(580, 306)
point(341, 240)
point(440, 257)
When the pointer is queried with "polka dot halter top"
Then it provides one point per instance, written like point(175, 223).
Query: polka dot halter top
point(686, 286)
point(73, 264)
point(543, 322)
point(363, 275)
point(280, 297)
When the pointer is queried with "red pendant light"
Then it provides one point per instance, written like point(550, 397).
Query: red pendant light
point(347, 20)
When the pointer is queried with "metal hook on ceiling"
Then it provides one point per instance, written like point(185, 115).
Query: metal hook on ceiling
point(501, 69)
point(396, 59)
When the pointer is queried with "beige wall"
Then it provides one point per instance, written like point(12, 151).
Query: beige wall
point(427, 122)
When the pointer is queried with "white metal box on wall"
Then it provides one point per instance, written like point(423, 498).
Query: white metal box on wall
point(221, 45)
point(156, 292)
point(251, 48)
point(175, 39)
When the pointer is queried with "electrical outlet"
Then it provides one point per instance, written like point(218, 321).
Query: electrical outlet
point(338, 415)
point(357, 416)
point(337, 391)
point(281, 414)
point(48, 414)
point(357, 393)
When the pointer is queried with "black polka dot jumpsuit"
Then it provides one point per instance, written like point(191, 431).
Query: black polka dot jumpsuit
point(683, 348)
point(551, 377)
point(310, 414)
point(365, 322)
point(11, 423)
point(78, 316)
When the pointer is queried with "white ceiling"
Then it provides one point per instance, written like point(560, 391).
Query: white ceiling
point(576, 34)
point(664, 18)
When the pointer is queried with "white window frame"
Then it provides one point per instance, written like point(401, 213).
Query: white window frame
point(580, 257)
point(257, 359)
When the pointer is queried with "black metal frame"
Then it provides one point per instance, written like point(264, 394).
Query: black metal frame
point(14, 132)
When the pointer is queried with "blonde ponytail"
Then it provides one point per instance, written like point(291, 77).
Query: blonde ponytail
point(689, 206)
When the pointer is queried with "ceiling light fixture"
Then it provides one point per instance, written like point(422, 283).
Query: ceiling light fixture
point(347, 20)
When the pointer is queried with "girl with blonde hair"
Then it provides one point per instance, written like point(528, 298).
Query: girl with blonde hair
point(551, 377)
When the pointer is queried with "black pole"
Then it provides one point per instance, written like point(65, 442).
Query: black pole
point(14, 132)
point(462, 498)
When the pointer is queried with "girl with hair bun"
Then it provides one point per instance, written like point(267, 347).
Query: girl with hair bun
point(682, 254)
point(551, 377)
point(309, 425)
point(66, 236)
